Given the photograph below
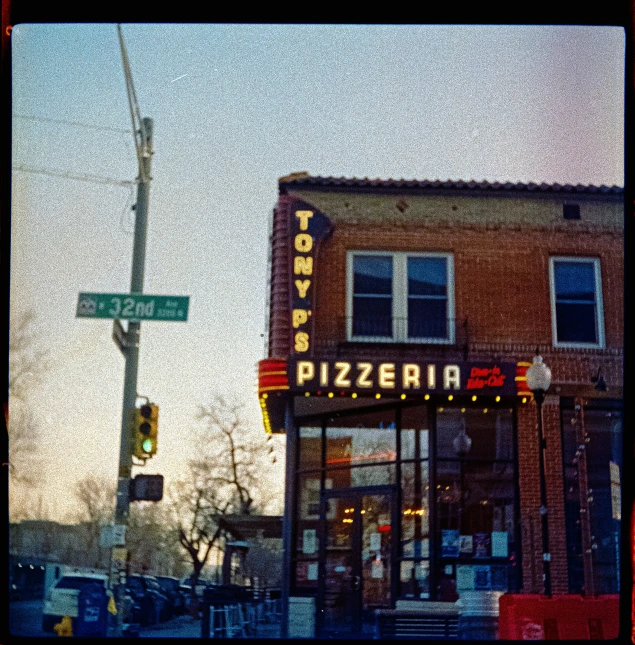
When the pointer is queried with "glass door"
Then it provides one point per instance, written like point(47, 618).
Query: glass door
point(355, 559)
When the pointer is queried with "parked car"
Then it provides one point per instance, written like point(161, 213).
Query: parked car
point(172, 588)
point(150, 603)
point(61, 599)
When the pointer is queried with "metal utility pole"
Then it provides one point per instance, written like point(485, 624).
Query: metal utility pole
point(143, 139)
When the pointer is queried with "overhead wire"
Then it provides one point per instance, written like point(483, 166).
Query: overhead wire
point(75, 123)
point(78, 176)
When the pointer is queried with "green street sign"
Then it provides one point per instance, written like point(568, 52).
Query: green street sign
point(133, 306)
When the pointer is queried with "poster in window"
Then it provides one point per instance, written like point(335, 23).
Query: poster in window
point(482, 545)
point(482, 577)
point(312, 571)
point(449, 543)
point(499, 578)
point(309, 541)
point(499, 544)
point(464, 577)
point(375, 541)
point(466, 544)
point(377, 569)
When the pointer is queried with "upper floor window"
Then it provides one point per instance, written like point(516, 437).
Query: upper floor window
point(576, 302)
point(400, 297)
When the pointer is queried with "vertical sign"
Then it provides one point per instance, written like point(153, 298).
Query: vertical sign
point(307, 228)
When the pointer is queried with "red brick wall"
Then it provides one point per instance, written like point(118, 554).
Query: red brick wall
point(501, 277)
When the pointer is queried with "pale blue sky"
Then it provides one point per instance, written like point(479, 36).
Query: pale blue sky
point(235, 107)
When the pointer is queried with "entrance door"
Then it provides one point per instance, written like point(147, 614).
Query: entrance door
point(355, 559)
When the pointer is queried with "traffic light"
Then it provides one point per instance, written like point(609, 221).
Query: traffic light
point(146, 430)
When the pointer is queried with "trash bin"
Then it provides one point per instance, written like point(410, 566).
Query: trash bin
point(479, 615)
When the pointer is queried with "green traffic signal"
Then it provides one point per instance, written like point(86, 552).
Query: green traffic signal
point(146, 421)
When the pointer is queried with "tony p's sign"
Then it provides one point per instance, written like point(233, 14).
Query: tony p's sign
point(308, 228)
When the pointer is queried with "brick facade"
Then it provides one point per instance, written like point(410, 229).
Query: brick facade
point(501, 241)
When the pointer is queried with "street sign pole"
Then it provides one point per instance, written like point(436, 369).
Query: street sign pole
point(132, 352)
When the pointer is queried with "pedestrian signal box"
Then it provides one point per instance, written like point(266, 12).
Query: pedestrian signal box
point(146, 488)
point(145, 431)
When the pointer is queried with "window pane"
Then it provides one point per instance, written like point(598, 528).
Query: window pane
point(360, 445)
point(604, 447)
point(414, 579)
point(491, 433)
point(414, 433)
point(310, 447)
point(415, 486)
point(427, 276)
point(576, 323)
point(372, 316)
point(574, 281)
point(427, 318)
point(372, 274)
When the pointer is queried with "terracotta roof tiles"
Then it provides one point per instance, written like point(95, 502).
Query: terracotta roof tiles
point(304, 180)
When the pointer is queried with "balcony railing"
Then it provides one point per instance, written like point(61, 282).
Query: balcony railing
point(451, 332)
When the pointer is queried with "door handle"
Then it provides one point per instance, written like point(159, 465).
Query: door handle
point(356, 583)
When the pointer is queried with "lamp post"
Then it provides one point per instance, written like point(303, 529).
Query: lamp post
point(538, 381)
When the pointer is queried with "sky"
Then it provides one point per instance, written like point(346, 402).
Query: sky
point(235, 107)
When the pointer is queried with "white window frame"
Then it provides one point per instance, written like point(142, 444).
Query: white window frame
point(599, 308)
point(400, 297)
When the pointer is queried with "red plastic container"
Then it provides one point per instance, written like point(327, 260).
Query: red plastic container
point(561, 617)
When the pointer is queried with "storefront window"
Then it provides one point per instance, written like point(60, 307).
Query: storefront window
point(475, 500)
point(593, 484)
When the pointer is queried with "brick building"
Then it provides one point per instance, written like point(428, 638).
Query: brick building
point(403, 316)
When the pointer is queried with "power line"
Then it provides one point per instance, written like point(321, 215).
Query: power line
point(75, 123)
point(78, 176)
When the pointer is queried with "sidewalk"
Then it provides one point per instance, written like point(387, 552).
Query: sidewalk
point(188, 627)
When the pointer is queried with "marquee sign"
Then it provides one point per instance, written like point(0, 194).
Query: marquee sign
point(401, 377)
point(278, 377)
point(307, 228)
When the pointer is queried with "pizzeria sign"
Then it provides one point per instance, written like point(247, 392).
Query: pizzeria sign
point(401, 377)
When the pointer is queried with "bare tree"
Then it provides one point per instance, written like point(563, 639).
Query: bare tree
point(27, 364)
point(97, 501)
point(194, 507)
point(225, 478)
point(27, 361)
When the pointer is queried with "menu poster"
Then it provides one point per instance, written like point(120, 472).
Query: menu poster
point(464, 577)
point(499, 544)
point(482, 545)
point(466, 544)
point(499, 578)
point(482, 577)
point(449, 543)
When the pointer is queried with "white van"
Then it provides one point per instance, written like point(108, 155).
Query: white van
point(61, 599)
